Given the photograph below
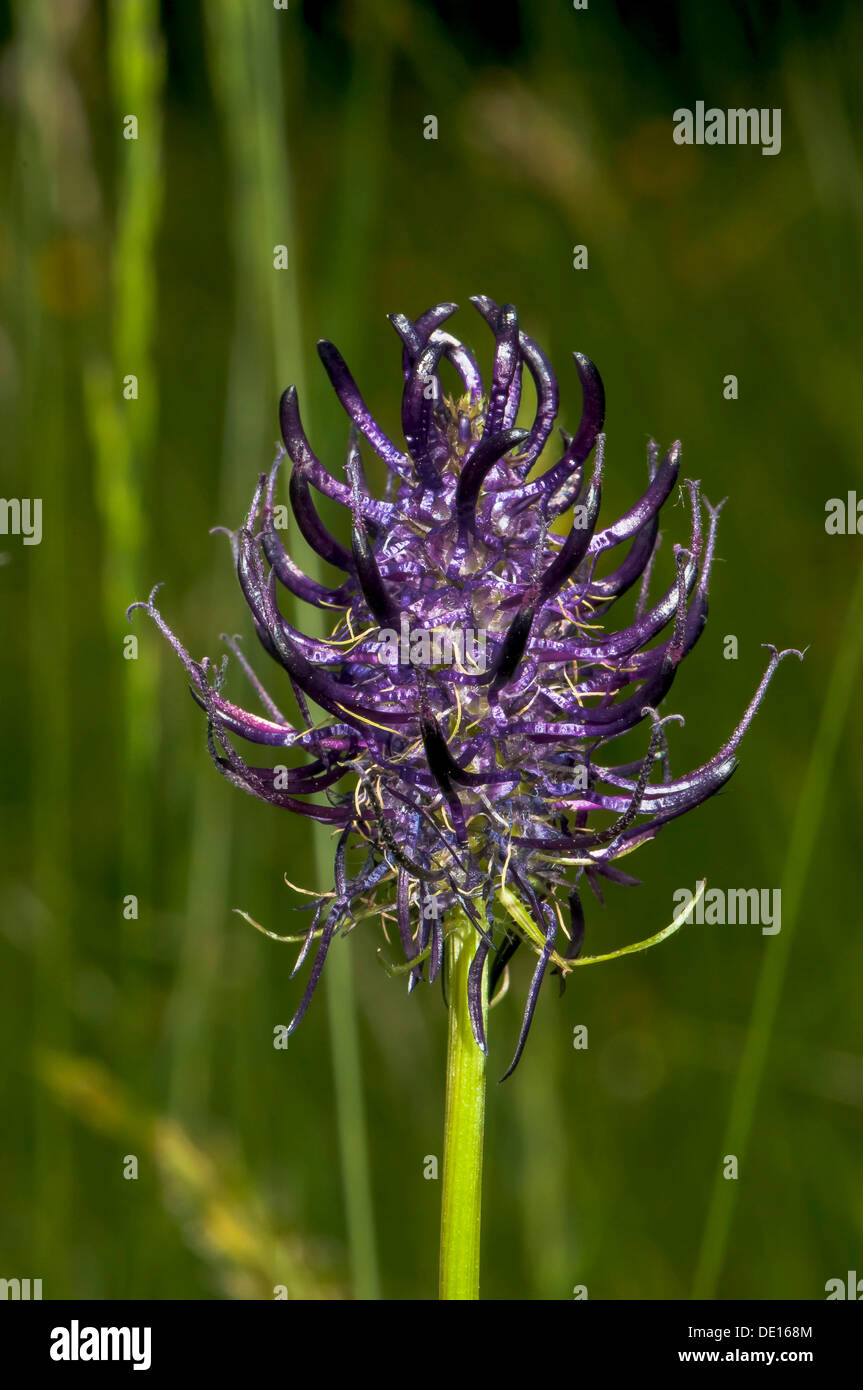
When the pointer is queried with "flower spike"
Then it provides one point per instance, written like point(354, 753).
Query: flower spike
point(455, 729)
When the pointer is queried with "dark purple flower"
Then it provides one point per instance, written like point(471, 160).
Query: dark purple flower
point(471, 689)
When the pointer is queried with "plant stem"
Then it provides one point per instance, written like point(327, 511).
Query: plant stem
point(464, 1125)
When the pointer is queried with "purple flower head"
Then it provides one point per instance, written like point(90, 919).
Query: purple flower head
point(471, 692)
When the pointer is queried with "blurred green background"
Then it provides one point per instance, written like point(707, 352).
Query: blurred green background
point(153, 1036)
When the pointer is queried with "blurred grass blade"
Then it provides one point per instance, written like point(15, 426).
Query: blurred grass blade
point(811, 801)
point(211, 1196)
point(245, 53)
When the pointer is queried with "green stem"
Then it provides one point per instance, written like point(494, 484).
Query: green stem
point(464, 1125)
